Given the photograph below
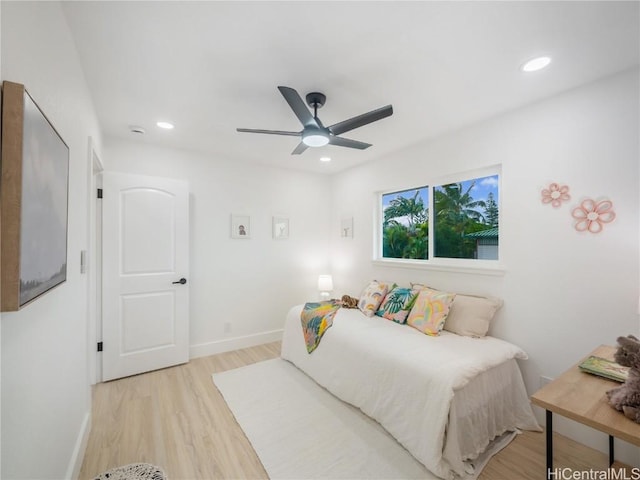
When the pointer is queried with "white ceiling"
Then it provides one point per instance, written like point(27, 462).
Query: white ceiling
point(210, 67)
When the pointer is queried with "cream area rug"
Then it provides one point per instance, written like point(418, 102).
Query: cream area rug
point(301, 431)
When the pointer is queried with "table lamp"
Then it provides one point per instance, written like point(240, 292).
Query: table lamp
point(325, 286)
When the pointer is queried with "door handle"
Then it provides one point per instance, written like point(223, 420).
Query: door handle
point(182, 281)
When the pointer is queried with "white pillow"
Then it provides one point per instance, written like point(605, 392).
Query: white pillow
point(471, 316)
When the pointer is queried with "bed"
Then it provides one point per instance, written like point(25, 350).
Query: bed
point(444, 398)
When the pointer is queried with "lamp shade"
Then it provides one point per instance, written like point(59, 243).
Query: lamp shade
point(325, 283)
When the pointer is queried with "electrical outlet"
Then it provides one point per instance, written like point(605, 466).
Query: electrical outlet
point(227, 327)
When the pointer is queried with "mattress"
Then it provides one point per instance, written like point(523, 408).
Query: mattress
point(443, 398)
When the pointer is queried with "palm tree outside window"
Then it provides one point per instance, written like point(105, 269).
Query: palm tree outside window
point(461, 212)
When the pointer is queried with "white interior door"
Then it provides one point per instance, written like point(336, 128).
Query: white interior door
point(145, 254)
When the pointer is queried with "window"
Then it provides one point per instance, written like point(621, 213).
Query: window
point(464, 223)
point(405, 228)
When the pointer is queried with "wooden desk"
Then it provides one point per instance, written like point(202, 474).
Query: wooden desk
point(582, 397)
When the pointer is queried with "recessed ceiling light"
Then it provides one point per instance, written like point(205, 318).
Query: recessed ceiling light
point(165, 125)
point(536, 64)
point(325, 159)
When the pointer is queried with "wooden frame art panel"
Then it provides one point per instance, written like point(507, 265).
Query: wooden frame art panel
point(34, 196)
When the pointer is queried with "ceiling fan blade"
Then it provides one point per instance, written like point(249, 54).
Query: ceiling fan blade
point(298, 106)
point(361, 120)
point(299, 149)
point(347, 142)
point(271, 132)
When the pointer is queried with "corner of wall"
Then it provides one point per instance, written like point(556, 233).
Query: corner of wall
point(75, 463)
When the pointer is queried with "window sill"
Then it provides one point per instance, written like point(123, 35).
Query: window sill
point(488, 267)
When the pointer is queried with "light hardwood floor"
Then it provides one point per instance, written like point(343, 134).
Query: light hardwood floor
point(175, 418)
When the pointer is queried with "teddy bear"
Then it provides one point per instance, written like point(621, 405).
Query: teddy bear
point(349, 302)
point(626, 397)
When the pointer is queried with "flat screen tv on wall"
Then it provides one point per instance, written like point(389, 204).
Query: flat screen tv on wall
point(34, 195)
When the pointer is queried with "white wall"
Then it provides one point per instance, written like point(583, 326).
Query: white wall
point(250, 283)
point(565, 292)
point(45, 396)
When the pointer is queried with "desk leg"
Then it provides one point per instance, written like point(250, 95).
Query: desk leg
point(549, 437)
point(611, 453)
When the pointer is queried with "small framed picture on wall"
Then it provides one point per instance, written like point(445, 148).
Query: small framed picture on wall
point(346, 227)
point(280, 228)
point(240, 226)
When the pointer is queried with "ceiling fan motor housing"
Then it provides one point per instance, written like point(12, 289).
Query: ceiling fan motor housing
point(316, 99)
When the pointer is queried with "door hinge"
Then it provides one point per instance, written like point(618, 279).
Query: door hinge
point(99, 346)
point(99, 193)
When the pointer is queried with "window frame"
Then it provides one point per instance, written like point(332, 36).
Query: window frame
point(464, 265)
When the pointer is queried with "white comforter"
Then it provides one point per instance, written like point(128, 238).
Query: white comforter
point(398, 376)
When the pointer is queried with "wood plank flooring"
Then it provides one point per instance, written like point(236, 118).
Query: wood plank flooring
point(175, 418)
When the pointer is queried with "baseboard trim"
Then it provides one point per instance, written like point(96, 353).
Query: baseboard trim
point(236, 343)
point(75, 463)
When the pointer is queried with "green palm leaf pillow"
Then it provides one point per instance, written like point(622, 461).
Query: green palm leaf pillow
point(397, 304)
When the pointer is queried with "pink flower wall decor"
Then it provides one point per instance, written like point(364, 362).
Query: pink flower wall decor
point(592, 215)
point(556, 194)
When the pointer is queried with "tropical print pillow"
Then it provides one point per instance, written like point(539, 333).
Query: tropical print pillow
point(430, 310)
point(398, 303)
point(372, 297)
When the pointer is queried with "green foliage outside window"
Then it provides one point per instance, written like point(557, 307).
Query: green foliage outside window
point(491, 211)
point(457, 214)
point(405, 225)
point(460, 209)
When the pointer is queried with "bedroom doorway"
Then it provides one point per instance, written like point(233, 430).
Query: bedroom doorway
point(145, 273)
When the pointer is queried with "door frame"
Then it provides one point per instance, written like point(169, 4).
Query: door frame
point(93, 264)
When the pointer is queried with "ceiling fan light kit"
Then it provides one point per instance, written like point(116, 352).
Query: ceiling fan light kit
point(314, 133)
point(313, 138)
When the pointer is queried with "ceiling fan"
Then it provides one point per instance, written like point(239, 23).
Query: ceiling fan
point(314, 133)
